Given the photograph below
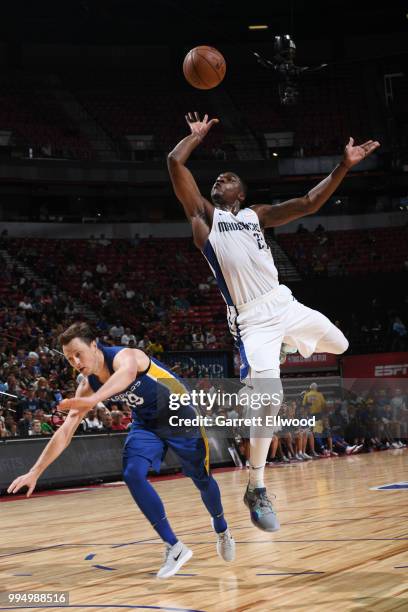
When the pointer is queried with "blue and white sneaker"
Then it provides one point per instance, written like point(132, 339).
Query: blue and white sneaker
point(285, 351)
point(260, 506)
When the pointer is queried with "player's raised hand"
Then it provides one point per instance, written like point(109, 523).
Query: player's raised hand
point(198, 126)
point(26, 480)
point(353, 154)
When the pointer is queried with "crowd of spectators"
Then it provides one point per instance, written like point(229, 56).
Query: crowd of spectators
point(375, 419)
point(33, 312)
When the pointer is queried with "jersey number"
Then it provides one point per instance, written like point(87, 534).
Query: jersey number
point(134, 400)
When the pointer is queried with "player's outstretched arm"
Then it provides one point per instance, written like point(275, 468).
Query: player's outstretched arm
point(280, 214)
point(57, 444)
point(198, 210)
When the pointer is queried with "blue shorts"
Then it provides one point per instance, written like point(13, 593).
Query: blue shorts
point(192, 452)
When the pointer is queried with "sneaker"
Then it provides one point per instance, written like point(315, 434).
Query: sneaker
point(350, 449)
point(299, 457)
point(285, 459)
point(357, 449)
point(306, 456)
point(226, 546)
point(395, 445)
point(285, 351)
point(174, 558)
point(316, 455)
point(263, 515)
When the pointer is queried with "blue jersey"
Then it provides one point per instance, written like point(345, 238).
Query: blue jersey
point(148, 394)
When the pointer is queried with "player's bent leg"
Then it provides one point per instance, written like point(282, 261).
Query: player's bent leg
point(135, 469)
point(211, 496)
point(193, 453)
point(334, 341)
point(262, 385)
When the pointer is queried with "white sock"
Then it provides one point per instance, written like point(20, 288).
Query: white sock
point(256, 477)
point(261, 382)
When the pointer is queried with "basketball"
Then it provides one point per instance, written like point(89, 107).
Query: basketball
point(204, 67)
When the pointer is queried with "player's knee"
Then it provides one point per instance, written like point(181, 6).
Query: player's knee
point(202, 483)
point(342, 343)
point(133, 472)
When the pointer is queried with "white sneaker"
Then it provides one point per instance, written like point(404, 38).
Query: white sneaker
point(350, 449)
point(285, 459)
point(299, 457)
point(306, 456)
point(357, 448)
point(174, 558)
point(395, 445)
point(226, 546)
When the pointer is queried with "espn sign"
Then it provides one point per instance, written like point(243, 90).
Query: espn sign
point(391, 370)
point(376, 365)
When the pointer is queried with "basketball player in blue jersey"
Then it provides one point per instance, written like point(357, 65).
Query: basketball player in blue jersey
point(262, 314)
point(126, 374)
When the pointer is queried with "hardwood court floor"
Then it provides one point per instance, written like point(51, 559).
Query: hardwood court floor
point(341, 547)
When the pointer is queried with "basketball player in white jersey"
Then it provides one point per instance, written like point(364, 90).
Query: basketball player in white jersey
point(262, 314)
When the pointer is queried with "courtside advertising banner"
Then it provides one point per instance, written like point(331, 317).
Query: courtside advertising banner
point(377, 365)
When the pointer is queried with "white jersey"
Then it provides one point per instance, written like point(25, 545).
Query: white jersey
point(239, 256)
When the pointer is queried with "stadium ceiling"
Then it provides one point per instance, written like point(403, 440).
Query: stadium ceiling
point(134, 22)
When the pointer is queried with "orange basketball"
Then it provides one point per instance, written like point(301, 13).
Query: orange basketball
point(204, 67)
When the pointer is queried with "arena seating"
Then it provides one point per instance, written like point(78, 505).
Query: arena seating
point(331, 106)
point(29, 109)
point(348, 252)
point(142, 269)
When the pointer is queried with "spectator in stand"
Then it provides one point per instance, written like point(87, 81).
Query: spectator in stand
point(117, 424)
point(10, 428)
point(400, 412)
point(399, 335)
point(30, 402)
point(130, 294)
point(127, 337)
point(197, 338)
point(25, 303)
point(156, 349)
point(116, 332)
point(210, 339)
point(144, 343)
point(92, 422)
point(25, 424)
point(203, 287)
point(3, 430)
point(314, 402)
point(13, 386)
point(101, 268)
point(36, 428)
point(107, 423)
point(103, 241)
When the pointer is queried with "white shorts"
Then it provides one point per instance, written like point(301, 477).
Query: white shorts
point(262, 325)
